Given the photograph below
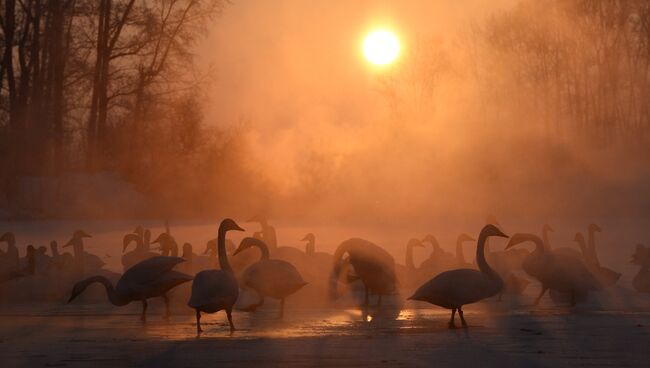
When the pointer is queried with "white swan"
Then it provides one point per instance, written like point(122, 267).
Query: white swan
point(84, 261)
point(455, 288)
point(559, 272)
point(273, 278)
point(215, 290)
point(150, 278)
point(372, 265)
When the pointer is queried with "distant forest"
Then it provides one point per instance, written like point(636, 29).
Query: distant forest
point(110, 85)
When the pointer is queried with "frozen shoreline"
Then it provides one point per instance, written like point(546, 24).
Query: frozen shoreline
point(109, 337)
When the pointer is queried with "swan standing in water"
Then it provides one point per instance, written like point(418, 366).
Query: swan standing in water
point(84, 261)
point(372, 265)
point(559, 272)
point(267, 232)
point(641, 257)
point(150, 278)
point(139, 254)
point(215, 290)
point(455, 288)
point(273, 278)
point(605, 276)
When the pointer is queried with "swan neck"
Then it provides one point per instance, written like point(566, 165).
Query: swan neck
point(113, 296)
point(409, 257)
point(460, 254)
point(480, 256)
point(547, 243)
point(221, 250)
point(264, 249)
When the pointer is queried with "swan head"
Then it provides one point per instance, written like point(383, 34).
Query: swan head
point(491, 219)
point(229, 225)
point(431, 239)
point(519, 238)
point(42, 249)
point(309, 237)
point(491, 230)
point(415, 243)
point(594, 228)
point(128, 238)
point(249, 242)
point(641, 255)
point(165, 240)
point(547, 227)
point(8, 237)
point(77, 289)
point(77, 238)
point(464, 237)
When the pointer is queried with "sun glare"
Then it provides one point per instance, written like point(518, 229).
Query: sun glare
point(381, 47)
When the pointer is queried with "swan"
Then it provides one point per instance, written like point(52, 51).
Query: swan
point(215, 290)
point(460, 254)
point(267, 231)
point(60, 261)
point(559, 272)
point(372, 265)
point(318, 258)
point(455, 288)
point(605, 276)
point(546, 228)
point(193, 262)
point(150, 278)
point(273, 278)
point(10, 258)
point(641, 257)
point(168, 245)
point(84, 261)
point(139, 254)
point(439, 260)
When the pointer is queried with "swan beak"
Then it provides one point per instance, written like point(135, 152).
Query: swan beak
point(304, 239)
point(71, 298)
point(237, 251)
point(238, 228)
point(501, 234)
point(67, 244)
point(510, 244)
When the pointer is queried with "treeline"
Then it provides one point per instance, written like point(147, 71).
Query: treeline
point(93, 85)
point(580, 66)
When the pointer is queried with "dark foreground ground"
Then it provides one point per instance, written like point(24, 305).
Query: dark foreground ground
point(102, 336)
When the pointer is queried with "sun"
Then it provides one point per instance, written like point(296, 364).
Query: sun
point(381, 47)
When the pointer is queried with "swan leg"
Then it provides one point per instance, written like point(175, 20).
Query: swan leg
point(167, 313)
point(462, 317)
point(143, 317)
point(451, 321)
point(198, 322)
point(229, 315)
point(541, 294)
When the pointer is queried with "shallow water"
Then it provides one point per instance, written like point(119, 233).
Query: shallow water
point(100, 335)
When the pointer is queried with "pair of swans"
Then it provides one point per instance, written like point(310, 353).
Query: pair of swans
point(560, 271)
point(216, 290)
